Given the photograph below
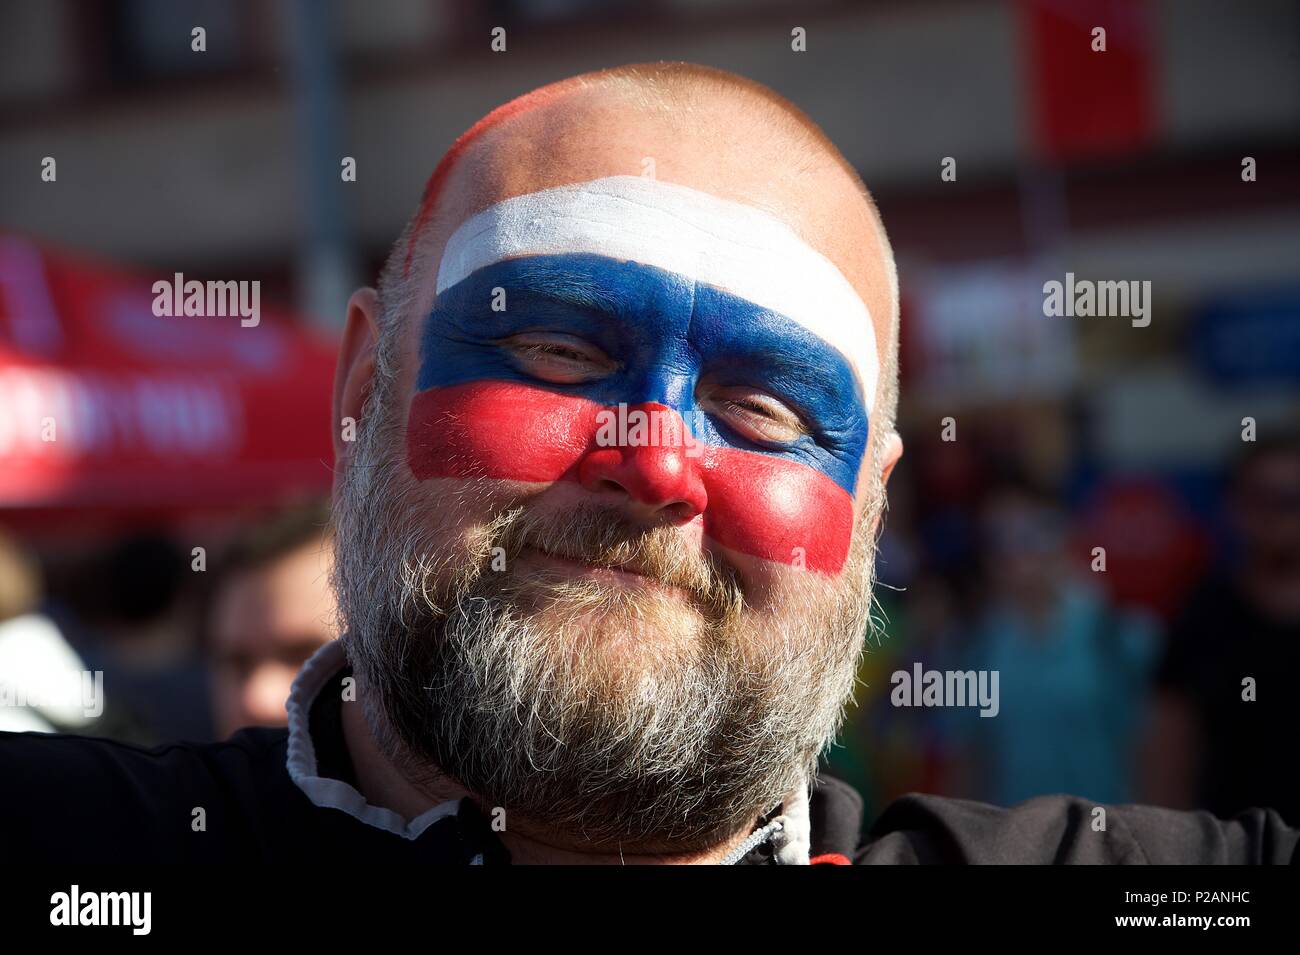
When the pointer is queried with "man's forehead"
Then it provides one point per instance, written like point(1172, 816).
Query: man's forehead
point(564, 138)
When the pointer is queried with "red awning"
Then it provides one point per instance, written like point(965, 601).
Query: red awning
point(106, 406)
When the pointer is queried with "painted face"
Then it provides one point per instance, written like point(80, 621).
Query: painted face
point(750, 359)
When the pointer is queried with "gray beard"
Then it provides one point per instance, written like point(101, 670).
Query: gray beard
point(622, 719)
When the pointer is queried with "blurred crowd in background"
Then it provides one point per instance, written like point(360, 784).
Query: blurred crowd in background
point(1105, 513)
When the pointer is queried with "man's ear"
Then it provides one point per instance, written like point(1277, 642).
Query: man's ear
point(355, 371)
point(893, 451)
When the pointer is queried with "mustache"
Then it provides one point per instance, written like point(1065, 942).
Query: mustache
point(602, 537)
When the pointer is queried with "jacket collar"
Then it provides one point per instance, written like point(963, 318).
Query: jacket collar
point(328, 793)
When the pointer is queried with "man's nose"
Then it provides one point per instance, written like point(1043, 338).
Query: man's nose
point(655, 467)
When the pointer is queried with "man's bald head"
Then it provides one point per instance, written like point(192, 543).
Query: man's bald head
point(705, 128)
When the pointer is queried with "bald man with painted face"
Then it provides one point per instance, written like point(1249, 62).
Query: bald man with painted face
point(604, 542)
point(642, 636)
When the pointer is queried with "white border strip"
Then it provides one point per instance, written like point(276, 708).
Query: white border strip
point(714, 241)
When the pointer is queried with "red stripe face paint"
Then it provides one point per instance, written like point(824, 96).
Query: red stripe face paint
point(758, 505)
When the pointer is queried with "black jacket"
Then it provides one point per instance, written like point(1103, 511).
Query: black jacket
point(76, 799)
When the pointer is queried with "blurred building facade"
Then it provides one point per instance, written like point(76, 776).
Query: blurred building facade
point(194, 160)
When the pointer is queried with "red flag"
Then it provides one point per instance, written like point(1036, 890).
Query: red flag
point(1084, 101)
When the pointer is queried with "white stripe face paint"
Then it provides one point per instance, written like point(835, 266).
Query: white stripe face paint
point(731, 246)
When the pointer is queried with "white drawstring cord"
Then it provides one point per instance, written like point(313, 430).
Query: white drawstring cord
point(790, 832)
point(755, 840)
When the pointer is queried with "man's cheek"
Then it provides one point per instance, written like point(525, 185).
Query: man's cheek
point(496, 429)
point(777, 511)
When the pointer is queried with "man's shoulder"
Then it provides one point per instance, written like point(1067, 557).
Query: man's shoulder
point(43, 759)
point(72, 792)
point(1069, 830)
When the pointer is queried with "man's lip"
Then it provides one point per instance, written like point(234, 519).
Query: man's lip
point(582, 566)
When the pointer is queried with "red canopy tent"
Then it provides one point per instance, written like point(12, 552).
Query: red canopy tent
point(109, 410)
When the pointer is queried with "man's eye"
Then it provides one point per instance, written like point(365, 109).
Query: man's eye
point(756, 415)
point(558, 358)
